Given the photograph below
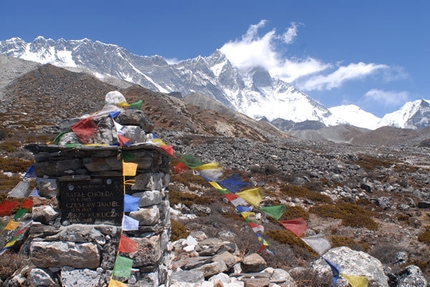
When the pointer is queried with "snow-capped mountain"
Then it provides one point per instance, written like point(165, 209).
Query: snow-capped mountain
point(411, 115)
point(254, 93)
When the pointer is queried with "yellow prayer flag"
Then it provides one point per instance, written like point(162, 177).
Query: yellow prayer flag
point(10, 243)
point(356, 280)
point(252, 196)
point(129, 168)
point(216, 185)
point(12, 225)
point(115, 283)
point(211, 165)
point(159, 142)
point(247, 214)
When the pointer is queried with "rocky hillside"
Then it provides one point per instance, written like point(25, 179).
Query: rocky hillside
point(370, 198)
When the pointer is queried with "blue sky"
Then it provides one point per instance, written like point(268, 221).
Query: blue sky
point(372, 53)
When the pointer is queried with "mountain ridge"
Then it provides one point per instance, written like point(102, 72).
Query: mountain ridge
point(255, 93)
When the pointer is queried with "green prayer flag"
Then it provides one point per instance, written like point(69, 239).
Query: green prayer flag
point(136, 105)
point(127, 155)
point(123, 267)
point(190, 161)
point(274, 211)
point(2, 225)
point(20, 213)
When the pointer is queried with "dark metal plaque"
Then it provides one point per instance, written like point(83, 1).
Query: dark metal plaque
point(88, 201)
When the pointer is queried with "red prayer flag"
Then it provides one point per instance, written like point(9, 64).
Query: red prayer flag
point(28, 204)
point(127, 245)
point(297, 225)
point(231, 196)
point(180, 168)
point(7, 206)
point(168, 149)
point(123, 141)
point(85, 129)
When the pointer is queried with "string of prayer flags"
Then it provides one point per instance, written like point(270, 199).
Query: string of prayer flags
point(129, 168)
point(247, 214)
point(118, 128)
point(34, 192)
point(233, 183)
point(28, 204)
point(252, 196)
point(122, 267)
point(211, 174)
point(114, 114)
point(274, 211)
point(297, 226)
point(127, 155)
point(131, 203)
point(159, 142)
point(235, 200)
point(127, 245)
point(129, 223)
point(115, 283)
point(356, 280)
point(318, 243)
point(20, 213)
point(218, 187)
point(334, 269)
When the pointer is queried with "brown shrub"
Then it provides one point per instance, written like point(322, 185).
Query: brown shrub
point(425, 236)
point(304, 192)
point(351, 214)
point(294, 212)
point(178, 230)
point(14, 164)
point(187, 198)
point(337, 241)
point(10, 262)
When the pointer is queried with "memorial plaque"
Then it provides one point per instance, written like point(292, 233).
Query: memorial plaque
point(88, 201)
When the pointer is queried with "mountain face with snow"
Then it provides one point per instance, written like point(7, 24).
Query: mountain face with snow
point(254, 93)
point(411, 115)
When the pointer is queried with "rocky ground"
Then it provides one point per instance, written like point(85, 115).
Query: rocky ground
point(391, 182)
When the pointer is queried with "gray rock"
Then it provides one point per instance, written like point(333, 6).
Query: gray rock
point(79, 277)
point(47, 187)
point(193, 277)
point(412, 277)
point(253, 263)
point(148, 252)
point(58, 254)
point(44, 214)
point(213, 268)
point(148, 198)
point(147, 216)
point(43, 277)
point(353, 262)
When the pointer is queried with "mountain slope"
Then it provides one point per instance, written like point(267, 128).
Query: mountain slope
point(411, 115)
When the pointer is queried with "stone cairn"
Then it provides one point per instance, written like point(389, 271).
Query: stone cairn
point(78, 218)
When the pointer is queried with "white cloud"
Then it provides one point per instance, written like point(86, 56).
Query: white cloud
point(387, 98)
point(341, 75)
point(253, 50)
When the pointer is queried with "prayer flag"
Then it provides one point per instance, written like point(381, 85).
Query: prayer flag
point(233, 183)
point(30, 172)
point(28, 204)
point(247, 214)
point(318, 243)
point(129, 168)
point(356, 280)
point(205, 166)
point(211, 174)
point(20, 213)
point(252, 196)
point(180, 167)
point(10, 243)
point(235, 200)
point(127, 245)
point(129, 223)
point(2, 225)
point(122, 267)
point(123, 141)
point(136, 105)
point(190, 161)
point(274, 211)
point(262, 240)
point(114, 114)
point(7, 206)
point(297, 226)
point(115, 283)
point(34, 192)
point(118, 128)
point(256, 227)
point(131, 203)
point(85, 129)
point(168, 149)
point(127, 155)
point(159, 142)
point(12, 225)
point(334, 269)
point(242, 208)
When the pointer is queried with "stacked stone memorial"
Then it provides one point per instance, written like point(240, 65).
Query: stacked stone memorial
point(83, 213)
